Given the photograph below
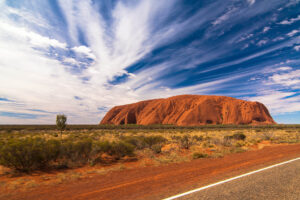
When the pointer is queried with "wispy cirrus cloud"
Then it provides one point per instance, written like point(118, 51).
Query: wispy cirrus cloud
point(251, 2)
point(290, 79)
point(290, 21)
point(34, 39)
point(266, 29)
point(84, 50)
point(292, 33)
point(78, 56)
point(297, 47)
point(279, 102)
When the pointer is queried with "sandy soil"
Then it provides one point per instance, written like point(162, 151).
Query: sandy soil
point(156, 182)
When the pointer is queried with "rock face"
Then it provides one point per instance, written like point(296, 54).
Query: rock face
point(188, 110)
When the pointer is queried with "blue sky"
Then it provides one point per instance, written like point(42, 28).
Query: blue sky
point(83, 57)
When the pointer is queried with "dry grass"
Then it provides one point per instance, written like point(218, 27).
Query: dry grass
point(209, 142)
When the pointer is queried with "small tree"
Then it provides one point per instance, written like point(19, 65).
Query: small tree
point(61, 123)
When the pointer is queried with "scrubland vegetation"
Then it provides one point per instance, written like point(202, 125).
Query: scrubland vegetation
point(39, 149)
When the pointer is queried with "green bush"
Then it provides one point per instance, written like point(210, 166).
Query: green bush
point(239, 136)
point(156, 148)
point(197, 155)
point(228, 137)
point(198, 138)
point(175, 137)
point(141, 142)
point(101, 147)
point(185, 142)
point(153, 140)
point(236, 136)
point(227, 141)
point(267, 135)
point(78, 152)
point(52, 150)
point(137, 141)
point(28, 154)
point(36, 153)
point(121, 149)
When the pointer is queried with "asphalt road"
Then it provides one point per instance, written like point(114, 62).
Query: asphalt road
point(282, 182)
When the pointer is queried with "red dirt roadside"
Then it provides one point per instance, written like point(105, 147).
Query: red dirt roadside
point(157, 182)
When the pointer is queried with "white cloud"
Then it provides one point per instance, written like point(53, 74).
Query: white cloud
point(297, 47)
point(70, 11)
point(44, 83)
point(35, 39)
point(276, 93)
point(266, 29)
point(131, 75)
point(245, 37)
point(224, 17)
point(278, 102)
point(251, 2)
point(292, 20)
point(284, 68)
point(262, 42)
point(71, 61)
point(38, 81)
point(120, 45)
point(278, 39)
point(41, 41)
point(292, 33)
point(133, 31)
point(290, 79)
point(25, 15)
point(245, 46)
point(84, 50)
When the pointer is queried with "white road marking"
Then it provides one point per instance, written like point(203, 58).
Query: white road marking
point(231, 179)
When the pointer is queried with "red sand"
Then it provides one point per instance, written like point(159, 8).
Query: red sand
point(157, 182)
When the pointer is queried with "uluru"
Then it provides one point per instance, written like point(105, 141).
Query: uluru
point(190, 110)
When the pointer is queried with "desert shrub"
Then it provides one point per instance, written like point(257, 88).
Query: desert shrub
point(236, 136)
point(198, 155)
point(101, 147)
point(156, 148)
point(52, 150)
point(28, 154)
point(121, 149)
point(137, 141)
point(118, 149)
point(185, 142)
point(175, 137)
point(198, 138)
point(237, 150)
point(216, 141)
point(240, 144)
point(76, 151)
point(153, 140)
point(267, 135)
point(228, 137)
point(239, 136)
point(141, 142)
point(227, 141)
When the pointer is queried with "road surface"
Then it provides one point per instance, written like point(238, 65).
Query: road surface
point(280, 182)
